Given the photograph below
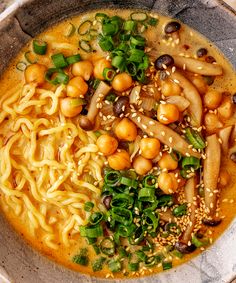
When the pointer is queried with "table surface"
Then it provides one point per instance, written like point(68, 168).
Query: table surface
point(6, 3)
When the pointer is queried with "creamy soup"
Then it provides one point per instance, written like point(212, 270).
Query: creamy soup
point(117, 143)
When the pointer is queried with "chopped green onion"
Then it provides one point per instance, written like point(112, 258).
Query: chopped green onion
point(111, 97)
point(109, 74)
point(126, 231)
point(93, 33)
point(141, 255)
point(195, 138)
point(122, 252)
point(166, 265)
point(84, 27)
point(137, 236)
point(165, 200)
point(131, 69)
point(107, 246)
point(91, 231)
point(114, 265)
point(96, 249)
point(180, 210)
point(70, 31)
point(112, 178)
point(138, 16)
point(124, 37)
point(21, 66)
point(59, 76)
point(129, 25)
point(137, 40)
point(118, 62)
point(144, 64)
point(95, 218)
point(146, 194)
point(177, 254)
point(100, 17)
point(133, 266)
point(151, 220)
point(88, 206)
point(136, 55)
point(190, 162)
point(39, 47)
point(110, 28)
point(150, 261)
point(122, 200)
point(149, 181)
point(91, 241)
point(95, 83)
point(73, 59)
point(141, 76)
point(81, 258)
point(199, 243)
point(28, 59)
point(152, 21)
point(59, 60)
point(97, 265)
point(85, 46)
point(122, 215)
point(129, 182)
point(106, 43)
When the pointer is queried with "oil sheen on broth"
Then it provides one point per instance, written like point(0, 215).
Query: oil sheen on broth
point(58, 189)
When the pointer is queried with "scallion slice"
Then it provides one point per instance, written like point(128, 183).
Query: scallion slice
point(91, 231)
point(110, 28)
point(81, 258)
point(111, 97)
point(114, 265)
point(190, 162)
point(112, 178)
point(150, 261)
point(152, 21)
point(109, 74)
point(59, 77)
point(106, 43)
point(129, 25)
point(95, 218)
point(73, 59)
point(39, 47)
point(146, 194)
point(199, 242)
point(137, 40)
point(70, 30)
point(122, 200)
point(136, 56)
point(118, 62)
point(139, 16)
point(165, 200)
point(133, 266)
point(28, 58)
point(166, 265)
point(21, 66)
point(100, 17)
point(59, 60)
point(84, 28)
point(195, 138)
point(97, 265)
point(129, 182)
point(180, 210)
point(88, 206)
point(122, 215)
point(85, 46)
point(107, 246)
point(149, 181)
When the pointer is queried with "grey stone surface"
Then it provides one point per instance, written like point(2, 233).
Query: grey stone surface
point(18, 262)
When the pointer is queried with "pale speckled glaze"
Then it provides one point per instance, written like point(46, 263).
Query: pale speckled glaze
point(18, 262)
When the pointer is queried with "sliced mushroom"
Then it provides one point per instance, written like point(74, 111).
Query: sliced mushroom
point(224, 135)
point(87, 122)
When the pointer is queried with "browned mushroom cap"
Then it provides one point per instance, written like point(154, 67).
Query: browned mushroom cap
point(212, 222)
point(184, 248)
point(85, 123)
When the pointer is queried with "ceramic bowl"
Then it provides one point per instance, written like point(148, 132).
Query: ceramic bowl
point(22, 21)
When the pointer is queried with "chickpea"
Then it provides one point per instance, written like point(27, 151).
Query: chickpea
point(169, 88)
point(122, 82)
point(167, 113)
point(35, 73)
point(126, 130)
point(168, 162)
point(200, 84)
point(224, 178)
point(212, 99)
point(119, 160)
point(150, 147)
point(107, 144)
point(83, 69)
point(212, 122)
point(142, 165)
point(225, 110)
point(70, 107)
point(99, 66)
point(77, 87)
point(167, 183)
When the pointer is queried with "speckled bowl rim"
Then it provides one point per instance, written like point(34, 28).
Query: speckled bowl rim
point(217, 264)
